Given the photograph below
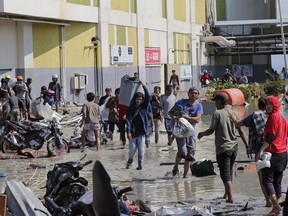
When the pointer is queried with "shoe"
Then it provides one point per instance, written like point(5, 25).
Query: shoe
point(175, 172)
point(128, 166)
point(139, 168)
point(124, 143)
point(169, 144)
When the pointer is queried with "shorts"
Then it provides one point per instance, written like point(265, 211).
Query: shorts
point(167, 123)
point(91, 126)
point(186, 148)
point(225, 162)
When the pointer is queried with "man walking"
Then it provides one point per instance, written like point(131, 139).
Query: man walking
point(225, 141)
point(137, 126)
point(167, 101)
point(192, 111)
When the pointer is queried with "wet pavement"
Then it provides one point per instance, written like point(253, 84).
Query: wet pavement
point(154, 183)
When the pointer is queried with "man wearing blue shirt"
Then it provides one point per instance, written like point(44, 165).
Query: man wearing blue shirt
point(192, 111)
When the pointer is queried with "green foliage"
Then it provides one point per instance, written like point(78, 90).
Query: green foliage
point(245, 91)
point(256, 90)
point(274, 87)
point(270, 87)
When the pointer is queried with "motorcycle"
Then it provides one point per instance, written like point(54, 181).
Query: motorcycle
point(17, 136)
point(75, 141)
point(65, 192)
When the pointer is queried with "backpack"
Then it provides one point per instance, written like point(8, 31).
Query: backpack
point(18, 87)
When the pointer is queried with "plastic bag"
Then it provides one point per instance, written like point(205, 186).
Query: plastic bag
point(182, 128)
point(203, 167)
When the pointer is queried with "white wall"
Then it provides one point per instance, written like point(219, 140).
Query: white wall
point(57, 9)
point(153, 8)
point(247, 10)
point(8, 44)
point(159, 39)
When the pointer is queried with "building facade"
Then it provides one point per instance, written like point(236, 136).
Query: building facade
point(91, 44)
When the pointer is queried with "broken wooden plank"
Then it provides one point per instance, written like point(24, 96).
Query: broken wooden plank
point(22, 201)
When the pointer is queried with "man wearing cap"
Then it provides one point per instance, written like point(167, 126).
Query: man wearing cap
point(167, 101)
point(20, 90)
point(108, 93)
point(104, 110)
point(225, 140)
point(192, 111)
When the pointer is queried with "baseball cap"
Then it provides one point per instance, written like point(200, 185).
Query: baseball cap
point(108, 88)
point(193, 89)
point(221, 96)
point(168, 86)
point(8, 76)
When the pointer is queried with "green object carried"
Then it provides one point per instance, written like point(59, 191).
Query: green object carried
point(201, 168)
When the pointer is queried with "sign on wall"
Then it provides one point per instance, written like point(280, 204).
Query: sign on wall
point(185, 72)
point(152, 56)
point(121, 54)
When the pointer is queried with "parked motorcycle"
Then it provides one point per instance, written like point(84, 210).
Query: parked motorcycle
point(75, 141)
point(65, 191)
point(17, 136)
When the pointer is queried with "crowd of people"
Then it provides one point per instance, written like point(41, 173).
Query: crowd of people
point(146, 112)
point(16, 99)
point(268, 131)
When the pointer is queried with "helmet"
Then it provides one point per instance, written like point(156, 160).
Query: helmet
point(54, 76)
point(8, 76)
point(43, 88)
point(19, 78)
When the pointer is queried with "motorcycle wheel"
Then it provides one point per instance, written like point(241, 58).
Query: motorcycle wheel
point(7, 148)
point(51, 147)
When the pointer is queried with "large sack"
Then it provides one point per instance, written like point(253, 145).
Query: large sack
point(129, 86)
point(41, 111)
point(182, 128)
point(203, 167)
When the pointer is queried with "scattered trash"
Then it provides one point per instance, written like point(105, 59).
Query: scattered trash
point(169, 211)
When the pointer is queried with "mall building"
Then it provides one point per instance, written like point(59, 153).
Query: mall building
point(91, 44)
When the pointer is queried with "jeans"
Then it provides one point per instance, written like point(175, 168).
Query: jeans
point(134, 144)
point(156, 129)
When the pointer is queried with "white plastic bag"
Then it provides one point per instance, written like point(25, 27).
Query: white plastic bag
point(104, 112)
point(182, 128)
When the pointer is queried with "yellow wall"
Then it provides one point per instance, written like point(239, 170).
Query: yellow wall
point(96, 3)
point(77, 36)
point(164, 10)
point(122, 5)
point(82, 2)
point(181, 48)
point(132, 36)
point(146, 37)
point(180, 10)
point(46, 41)
point(121, 35)
point(111, 34)
point(133, 6)
point(200, 12)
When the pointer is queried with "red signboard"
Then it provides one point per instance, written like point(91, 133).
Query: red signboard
point(152, 56)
